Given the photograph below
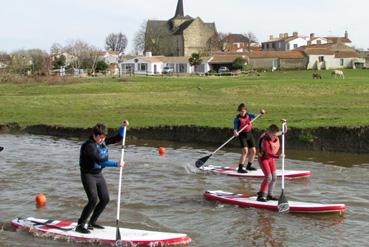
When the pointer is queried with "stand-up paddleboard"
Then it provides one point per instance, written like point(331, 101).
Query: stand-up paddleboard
point(295, 207)
point(232, 171)
point(129, 237)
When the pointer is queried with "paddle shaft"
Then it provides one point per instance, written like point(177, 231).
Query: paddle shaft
point(284, 130)
point(120, 177)
point(238, 132)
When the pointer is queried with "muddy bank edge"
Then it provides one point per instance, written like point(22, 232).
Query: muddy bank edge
point(335, 139)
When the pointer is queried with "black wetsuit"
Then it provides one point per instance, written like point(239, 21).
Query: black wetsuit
point(93, 158)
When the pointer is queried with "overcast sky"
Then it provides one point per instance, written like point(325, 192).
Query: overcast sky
point(27, 24)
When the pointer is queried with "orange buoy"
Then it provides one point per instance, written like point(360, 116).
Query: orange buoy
point(40, 200)
point(162, 151)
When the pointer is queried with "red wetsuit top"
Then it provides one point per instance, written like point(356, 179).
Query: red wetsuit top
point(268, 148)
point(241, 121)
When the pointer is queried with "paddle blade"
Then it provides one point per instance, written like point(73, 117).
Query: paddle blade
point(200, 162)
point(283, 206)
point(117, 235)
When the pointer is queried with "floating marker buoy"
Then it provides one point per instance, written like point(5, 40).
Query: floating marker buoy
point(162, 151)
point(40, 200)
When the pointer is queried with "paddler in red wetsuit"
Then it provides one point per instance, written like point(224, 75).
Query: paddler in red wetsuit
point(268, 152)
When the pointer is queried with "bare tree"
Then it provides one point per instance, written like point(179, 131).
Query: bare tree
point(251, 39)
point(215, 43)
point(153, 38)
point(78, 49)
point(56, 48)
point(33, 61)
point(139, 40)
point(83, 54)
point(116, 42)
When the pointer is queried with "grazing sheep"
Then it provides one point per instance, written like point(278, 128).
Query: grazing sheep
point(338, 74)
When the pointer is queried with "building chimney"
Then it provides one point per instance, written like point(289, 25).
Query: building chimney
point(312, 35)
point(295, 34)
point(286, 35)
point(148, 54)
point(270, 37)
point(346, 34)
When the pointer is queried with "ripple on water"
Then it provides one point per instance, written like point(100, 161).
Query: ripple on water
point(164, 193)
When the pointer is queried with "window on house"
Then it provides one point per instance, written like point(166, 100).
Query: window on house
point(182, 68)
point(295, 46)
point(273, 45)
point(342, 62)
point(321, 58)
point(142, 66)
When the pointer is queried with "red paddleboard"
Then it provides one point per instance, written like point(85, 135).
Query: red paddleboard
point(232, 171)
point(130, 237)
point(295, 207)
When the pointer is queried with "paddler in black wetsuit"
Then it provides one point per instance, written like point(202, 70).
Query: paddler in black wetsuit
point(93, 158)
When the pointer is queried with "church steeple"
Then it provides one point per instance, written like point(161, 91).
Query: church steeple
point(179, 10)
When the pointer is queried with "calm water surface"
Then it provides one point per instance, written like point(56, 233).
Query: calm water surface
point(165, 194)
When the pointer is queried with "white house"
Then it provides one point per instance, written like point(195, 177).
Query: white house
point(332, 56)
point(111, 57)
point(284, 42)
point(153, 65)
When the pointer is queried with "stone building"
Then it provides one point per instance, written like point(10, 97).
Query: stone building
point(179, 36)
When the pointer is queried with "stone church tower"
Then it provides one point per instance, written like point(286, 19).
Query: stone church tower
point(179, 36)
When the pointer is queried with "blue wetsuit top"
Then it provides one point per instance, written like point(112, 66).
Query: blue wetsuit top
point(94, 157)
point(236, 122)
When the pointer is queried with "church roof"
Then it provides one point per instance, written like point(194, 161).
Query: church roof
point(160, 27)
point(157, 27)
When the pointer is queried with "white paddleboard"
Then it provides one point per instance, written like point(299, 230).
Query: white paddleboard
point(129, 237)
point(250, 201)
point(232, 171)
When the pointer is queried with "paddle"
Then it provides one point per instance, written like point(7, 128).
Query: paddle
point(200, 162)
point(117, 235)
point(283, 206)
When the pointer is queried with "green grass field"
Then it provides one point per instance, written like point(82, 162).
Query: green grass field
point(200, 101)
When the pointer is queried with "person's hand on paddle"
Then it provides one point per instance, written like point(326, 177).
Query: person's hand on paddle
point(282, 156)
point(125, 123)
point(235, 133)
point(121, 164)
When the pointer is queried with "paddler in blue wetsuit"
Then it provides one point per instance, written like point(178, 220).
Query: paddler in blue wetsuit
point(247, 140)
point(93, 158)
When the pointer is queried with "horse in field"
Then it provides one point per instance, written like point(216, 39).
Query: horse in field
point(338, 74)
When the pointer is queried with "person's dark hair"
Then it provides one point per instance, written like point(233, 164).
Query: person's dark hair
point(100, 129)
point(273, 128)
point(242, 105)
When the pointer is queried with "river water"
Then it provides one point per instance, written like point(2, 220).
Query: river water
point(164, 193)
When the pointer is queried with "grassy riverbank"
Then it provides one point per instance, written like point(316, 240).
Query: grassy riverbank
point(201, 101)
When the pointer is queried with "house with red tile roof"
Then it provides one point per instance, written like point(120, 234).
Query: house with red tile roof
point(332, 56)
point(238, 43)
point(285, 42)
point(278, 60)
